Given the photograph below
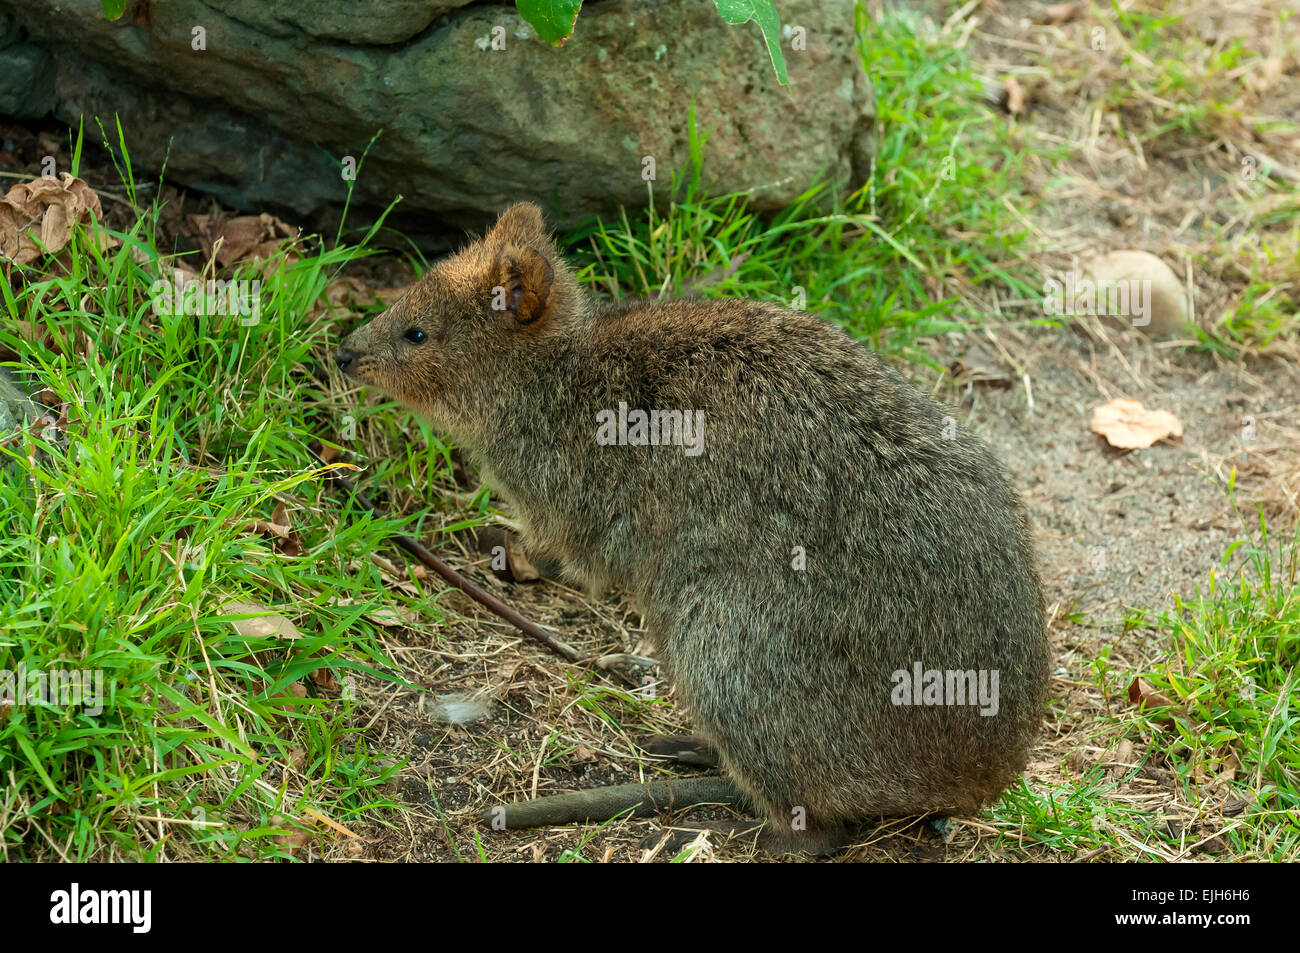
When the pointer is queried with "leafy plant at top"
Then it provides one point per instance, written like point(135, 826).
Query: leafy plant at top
point(764, 14)
point(554, 21)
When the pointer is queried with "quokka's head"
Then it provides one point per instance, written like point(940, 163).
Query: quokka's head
point(461, 326)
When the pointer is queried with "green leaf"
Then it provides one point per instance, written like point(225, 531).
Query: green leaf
point(113, 8)
point(552, 19)
point(764, 14)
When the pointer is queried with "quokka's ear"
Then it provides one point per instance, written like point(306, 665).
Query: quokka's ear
point(521, 281)
point(520, 224)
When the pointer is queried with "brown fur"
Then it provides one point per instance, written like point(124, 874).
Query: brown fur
point(916, 546)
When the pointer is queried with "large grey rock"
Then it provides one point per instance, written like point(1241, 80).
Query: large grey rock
point(26, 81)
point(285, 88)
point(349, 21)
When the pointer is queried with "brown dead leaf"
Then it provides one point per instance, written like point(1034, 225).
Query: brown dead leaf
point(287, 539)
point(266, 624)
point(1228, 769)
point(1143, 694)
point(295, 840)
point(245, 237)
point(267, 528)
point(293, 690)
point(343, 293)
point(1119, 759)
point(1128, 425)
point(352, 294)
point(43, 212)
point(324, 678)
point(290, 542)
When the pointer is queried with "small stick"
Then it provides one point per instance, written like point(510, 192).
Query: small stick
point(529, 628)
point(602, 804)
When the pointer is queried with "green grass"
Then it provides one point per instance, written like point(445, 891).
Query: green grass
point(120, 546)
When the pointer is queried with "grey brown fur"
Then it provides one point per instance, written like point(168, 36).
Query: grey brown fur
point(916, 546)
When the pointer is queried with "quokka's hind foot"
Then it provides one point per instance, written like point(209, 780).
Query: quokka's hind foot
point(940, 826)
point(602, 804)
point(694, 750)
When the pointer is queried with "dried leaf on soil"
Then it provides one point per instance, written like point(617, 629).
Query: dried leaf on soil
point(266, 624)
point(255, 237)
point(45, 209)
point(1143, 694)
point(1128, 425)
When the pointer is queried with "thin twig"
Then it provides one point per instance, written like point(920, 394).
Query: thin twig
point(529, 628)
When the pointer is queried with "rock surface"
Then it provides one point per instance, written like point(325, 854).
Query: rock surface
point(258, 101)
point(1163, 295)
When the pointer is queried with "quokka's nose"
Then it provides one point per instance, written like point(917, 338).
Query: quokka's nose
point(344, 358)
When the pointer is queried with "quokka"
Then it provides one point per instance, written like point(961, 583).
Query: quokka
point(835, 540)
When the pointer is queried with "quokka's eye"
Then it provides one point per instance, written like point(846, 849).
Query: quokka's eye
point(415, 336)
